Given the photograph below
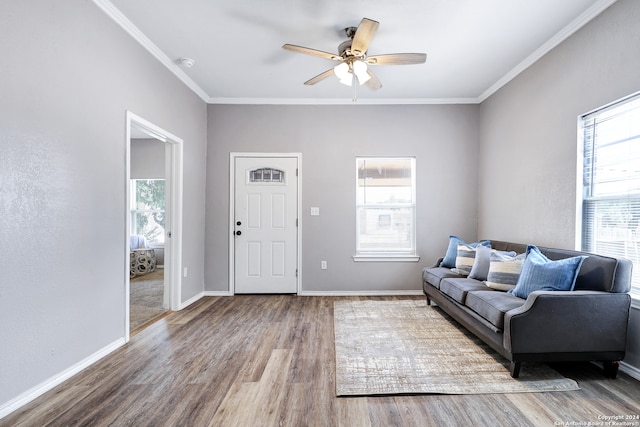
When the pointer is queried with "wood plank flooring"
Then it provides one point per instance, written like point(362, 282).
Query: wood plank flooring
point(269, 361)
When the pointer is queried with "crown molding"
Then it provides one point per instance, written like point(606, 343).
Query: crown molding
point(114, 13)
point(343, 101)
point(554, 41)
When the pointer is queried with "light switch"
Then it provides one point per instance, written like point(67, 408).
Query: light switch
point(315, 211)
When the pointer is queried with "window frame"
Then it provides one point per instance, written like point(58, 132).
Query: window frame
point(386, 255)
point(587, 200)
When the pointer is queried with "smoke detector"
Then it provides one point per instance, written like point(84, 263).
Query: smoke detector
point(186, 62)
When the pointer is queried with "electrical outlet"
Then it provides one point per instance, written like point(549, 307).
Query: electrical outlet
point(315, 211)
point(323, 265)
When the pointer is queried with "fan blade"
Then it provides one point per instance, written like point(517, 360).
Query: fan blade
point(373, 83)
point(320, 77)
point(364, 34)
point(313, 52)
point(397, 59)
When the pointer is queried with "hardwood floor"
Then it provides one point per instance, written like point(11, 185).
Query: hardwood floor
point(269, 361)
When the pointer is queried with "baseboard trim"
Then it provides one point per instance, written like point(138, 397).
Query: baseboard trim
point(40, 389)
point(217, 294)
point(630, 370)
point(190, 301)
point(359, 293)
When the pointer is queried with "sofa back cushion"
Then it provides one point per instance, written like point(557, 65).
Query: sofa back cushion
point(597, 272)
point(518, 248)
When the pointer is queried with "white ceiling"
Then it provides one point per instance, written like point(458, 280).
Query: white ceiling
point(473, 46)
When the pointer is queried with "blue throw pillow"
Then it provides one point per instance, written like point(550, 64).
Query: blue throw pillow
point(449, 260)
point(539, 273)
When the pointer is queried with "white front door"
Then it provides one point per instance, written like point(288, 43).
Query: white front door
point(265, 225)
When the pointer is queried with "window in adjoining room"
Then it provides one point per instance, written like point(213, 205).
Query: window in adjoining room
point(611, 183)
point(148, 209)
point(385, 207)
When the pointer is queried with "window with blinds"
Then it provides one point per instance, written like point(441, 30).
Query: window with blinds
point(385, 205)
point(611, 183)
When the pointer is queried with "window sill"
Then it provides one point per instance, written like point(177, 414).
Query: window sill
point(386, 258)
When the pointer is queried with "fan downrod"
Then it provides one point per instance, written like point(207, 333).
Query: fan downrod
point(350, 32)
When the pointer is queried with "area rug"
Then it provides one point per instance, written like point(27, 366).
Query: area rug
point(407, 347)
point(146, 299)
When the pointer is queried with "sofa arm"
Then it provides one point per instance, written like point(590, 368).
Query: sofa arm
point(568, 322)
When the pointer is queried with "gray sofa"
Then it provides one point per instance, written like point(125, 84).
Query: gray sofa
point(586, 324)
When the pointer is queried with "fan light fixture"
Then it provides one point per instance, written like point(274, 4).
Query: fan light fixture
point(345, 71)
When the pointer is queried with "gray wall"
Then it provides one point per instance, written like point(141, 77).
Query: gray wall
point(147, 158)
point(528, 148)
point(69, 73)
point(442, 138)
point(528, 143)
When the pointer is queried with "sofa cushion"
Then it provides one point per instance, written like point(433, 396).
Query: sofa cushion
point(540, 273)
point(458, 288)
point(504, 270)
point(449, 259)
point(492, 305)
point(434, 275)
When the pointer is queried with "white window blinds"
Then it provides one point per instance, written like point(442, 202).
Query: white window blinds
point(611, 183)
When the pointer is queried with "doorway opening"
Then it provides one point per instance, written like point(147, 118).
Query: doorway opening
point(148, 289)
point(153, 225)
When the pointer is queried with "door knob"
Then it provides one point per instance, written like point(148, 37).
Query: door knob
point(238, 223)
point(238, 233)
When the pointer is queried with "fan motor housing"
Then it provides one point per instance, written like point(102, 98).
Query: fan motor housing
point(344, 50)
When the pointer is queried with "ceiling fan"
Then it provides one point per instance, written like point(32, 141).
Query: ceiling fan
point(353, 59)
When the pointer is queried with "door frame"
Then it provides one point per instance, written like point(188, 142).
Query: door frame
point(173, 209)
point(232, 193)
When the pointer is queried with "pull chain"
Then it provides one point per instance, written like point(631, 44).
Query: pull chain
point(355, 89)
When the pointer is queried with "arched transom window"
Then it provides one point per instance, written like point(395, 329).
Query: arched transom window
point(266, 175)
